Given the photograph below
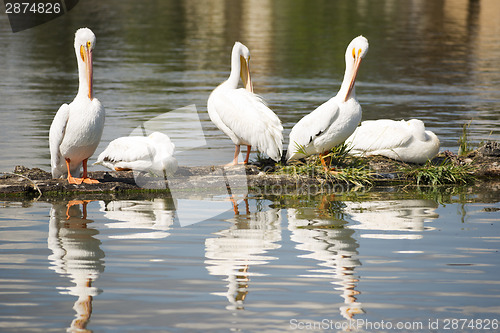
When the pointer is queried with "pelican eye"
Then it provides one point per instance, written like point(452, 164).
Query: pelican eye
point(88, 45)
point(354, 52)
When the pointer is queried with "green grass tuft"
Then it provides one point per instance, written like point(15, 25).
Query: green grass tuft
point(464, 146)
point(348, 169)
point(445, 173)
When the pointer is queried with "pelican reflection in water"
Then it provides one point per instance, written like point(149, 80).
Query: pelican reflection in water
point(324, 237)
point(153, 218)
point(391, 219)
point(76, 253)
point(244, 244)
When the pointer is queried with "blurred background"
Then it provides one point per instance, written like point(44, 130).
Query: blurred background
point(436, 60)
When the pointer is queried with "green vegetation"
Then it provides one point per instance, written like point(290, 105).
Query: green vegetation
point(339, 155)
point(357, 171)
point(322, 226)
point(464, 146)
point(343, 168)
point(359, 176)
point(447, 172)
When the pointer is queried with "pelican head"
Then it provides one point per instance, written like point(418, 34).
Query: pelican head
point(84, 44)
point(416, 124)
point(242, 54)
point(355, 52)
point(417, 128)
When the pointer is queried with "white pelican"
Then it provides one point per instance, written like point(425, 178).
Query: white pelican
point(406, 141)
point(151, 153)
point(333, 121)
point(77, 128)
point(242, 115)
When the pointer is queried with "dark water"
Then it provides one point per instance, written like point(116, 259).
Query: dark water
point(348, 261)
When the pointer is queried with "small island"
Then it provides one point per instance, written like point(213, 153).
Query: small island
point(480, 166)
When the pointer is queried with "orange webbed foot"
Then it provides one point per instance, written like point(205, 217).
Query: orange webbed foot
point(231, 164)
point(73, 180)
point(90, 181)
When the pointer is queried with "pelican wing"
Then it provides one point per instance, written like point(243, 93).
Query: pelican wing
point(310, 127)
point(247, 116)
point(128, 149)
point(375, 135)
point(56, 136)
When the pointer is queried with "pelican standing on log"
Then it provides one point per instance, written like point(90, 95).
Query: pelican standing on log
point(335, 120)
point(243, 115)
point(77, 128)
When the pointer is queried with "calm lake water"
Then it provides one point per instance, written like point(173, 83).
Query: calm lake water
point(428, 259)
point(348, 262)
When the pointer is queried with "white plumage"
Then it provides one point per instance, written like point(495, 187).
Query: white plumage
point(153, 153)
point(243, 115)
point(335, 120)
point(77, 128)
point(406, 141)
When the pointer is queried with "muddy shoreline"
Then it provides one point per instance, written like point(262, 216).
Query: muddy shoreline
point(250, 179)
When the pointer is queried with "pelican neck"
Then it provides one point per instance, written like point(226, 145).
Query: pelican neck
point(83, 84)
point(234, 77)
point(349, 67)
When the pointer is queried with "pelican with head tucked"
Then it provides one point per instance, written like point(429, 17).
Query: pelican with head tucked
point(77, 127)
point(152, 153)
point(406, 141)
point(243, 115)
point(335, 120)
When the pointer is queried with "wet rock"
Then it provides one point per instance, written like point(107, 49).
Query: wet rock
point(33, 174)
point(490, 149)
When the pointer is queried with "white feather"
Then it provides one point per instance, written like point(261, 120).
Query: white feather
point(153, 153)
point(246, 119)
point(406, 141)
point(56, 135)
point(324, 128)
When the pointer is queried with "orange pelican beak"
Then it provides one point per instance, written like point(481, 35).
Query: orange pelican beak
point(86, 54)
point(357, 63)
point(245, 74)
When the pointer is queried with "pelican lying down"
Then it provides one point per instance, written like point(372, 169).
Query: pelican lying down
point(406, 141)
